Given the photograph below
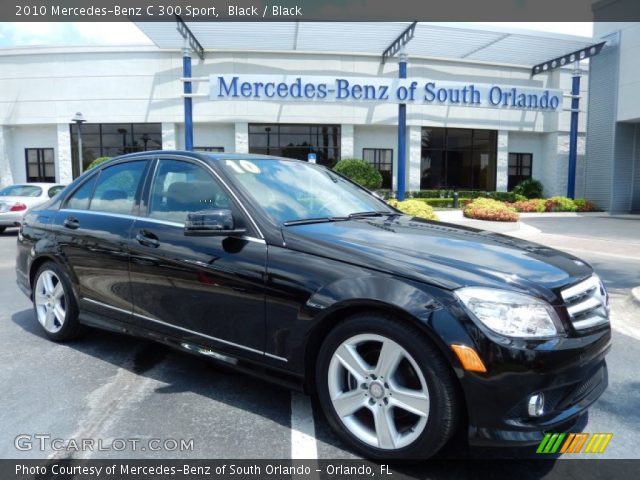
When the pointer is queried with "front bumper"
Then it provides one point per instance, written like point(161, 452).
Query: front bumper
point(570, 371)
point(566, 405)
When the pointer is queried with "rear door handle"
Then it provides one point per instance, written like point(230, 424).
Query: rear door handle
point(71, 222)
point(148, 239)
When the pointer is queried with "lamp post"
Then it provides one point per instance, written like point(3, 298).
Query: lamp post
point(123, 132)
point(268, 130)
point(79, 119)
point(145, 139)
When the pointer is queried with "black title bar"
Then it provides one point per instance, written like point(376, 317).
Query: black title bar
point(319, 10)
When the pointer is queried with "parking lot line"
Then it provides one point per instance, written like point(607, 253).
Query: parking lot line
point(303, 436)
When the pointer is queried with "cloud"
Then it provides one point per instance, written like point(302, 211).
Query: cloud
point(70, 33)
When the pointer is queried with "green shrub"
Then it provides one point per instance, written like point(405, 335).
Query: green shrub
point(360, 172)
point(560, 204)
point(448, 193)
point(428, 194)
point(97, 162)
point(584, 205)
point(415, 208)
point(489, 209)
point(529, 188)
point(502, 196)
point(442, 202)
point(529, 206)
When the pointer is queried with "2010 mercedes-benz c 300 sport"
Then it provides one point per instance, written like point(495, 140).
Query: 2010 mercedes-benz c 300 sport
point(406, 330)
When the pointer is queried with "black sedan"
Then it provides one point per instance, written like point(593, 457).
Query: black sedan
point(406, 330)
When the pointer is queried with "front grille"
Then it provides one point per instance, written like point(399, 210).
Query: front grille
point(587, 303)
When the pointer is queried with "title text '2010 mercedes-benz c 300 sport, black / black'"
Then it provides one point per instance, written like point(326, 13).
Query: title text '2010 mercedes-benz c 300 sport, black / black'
point(406, 330)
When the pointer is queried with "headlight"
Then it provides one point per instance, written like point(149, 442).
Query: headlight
point(509, 313)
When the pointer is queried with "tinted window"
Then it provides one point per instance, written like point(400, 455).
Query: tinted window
point(21, 191)
point(54, 190)
point(181, 187)
point(80, 198)
point(116, 188)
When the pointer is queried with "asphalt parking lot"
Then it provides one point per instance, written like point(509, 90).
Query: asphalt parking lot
point(106, 386)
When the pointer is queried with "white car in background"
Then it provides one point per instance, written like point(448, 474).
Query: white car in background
point(16, 200)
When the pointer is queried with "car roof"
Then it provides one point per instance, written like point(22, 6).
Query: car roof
point(36, 184)
point(217, 156)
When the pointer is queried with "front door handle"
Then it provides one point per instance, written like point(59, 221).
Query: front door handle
point(71, 222)
point(148, 239)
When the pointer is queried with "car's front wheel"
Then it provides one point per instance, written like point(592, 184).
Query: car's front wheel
point(54, 303)
point(385, 389)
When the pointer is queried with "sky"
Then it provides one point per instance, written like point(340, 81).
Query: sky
point(126, 33)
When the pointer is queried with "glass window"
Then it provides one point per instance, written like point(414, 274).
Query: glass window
point(459, 138)
point(54, 190)
point(208, 149)
point(458, 158)
point(179, 188)
point(113, 139)
point(79, 200)
point(40, 165)
point(296, 141)
point(432, 173)
point(21, 191)
point(520, 168)
point(433, 137)
point(288, 190)
point(382, 160)
point(116, 188)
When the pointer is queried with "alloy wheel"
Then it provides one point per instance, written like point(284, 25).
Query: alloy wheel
point(50, 302)
point(378, 391)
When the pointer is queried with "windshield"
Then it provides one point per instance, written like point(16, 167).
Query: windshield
point(21, 191)
point(290, 190)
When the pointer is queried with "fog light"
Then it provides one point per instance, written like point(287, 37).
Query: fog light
point(536, 405)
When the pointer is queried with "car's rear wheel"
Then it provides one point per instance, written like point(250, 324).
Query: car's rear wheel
point(2, 229)
point(385, 389)
point(54, 303)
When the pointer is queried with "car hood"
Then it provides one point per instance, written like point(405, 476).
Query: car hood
point(441, 254)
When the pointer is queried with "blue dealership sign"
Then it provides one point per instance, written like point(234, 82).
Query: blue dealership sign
point(299, 88)
point(311, 157)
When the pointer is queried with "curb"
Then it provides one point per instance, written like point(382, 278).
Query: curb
point(635, 295)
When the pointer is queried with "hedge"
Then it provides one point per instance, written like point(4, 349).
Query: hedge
point(360, 172)
point(584, 205)
point(529, 206)
point(529, 188)
point(443, 202)
point(415, 208)
point(560, 204)
point(489, 209)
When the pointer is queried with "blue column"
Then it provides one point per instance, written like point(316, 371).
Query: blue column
point(573, 134)
point(188, 101)
point(402, 134)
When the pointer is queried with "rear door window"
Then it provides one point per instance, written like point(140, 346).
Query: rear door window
point(80, 199)
point(116, 188)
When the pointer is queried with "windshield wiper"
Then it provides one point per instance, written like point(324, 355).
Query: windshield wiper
point(351, 216)
point(307, 221)
point(378, 213)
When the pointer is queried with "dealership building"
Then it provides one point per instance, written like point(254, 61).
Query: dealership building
point(476, 117)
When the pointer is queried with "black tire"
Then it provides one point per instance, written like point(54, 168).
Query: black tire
point(70, 327)
point(2, 229)
point(442, 404)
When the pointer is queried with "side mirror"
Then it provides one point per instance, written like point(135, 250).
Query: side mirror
point(211, 223)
